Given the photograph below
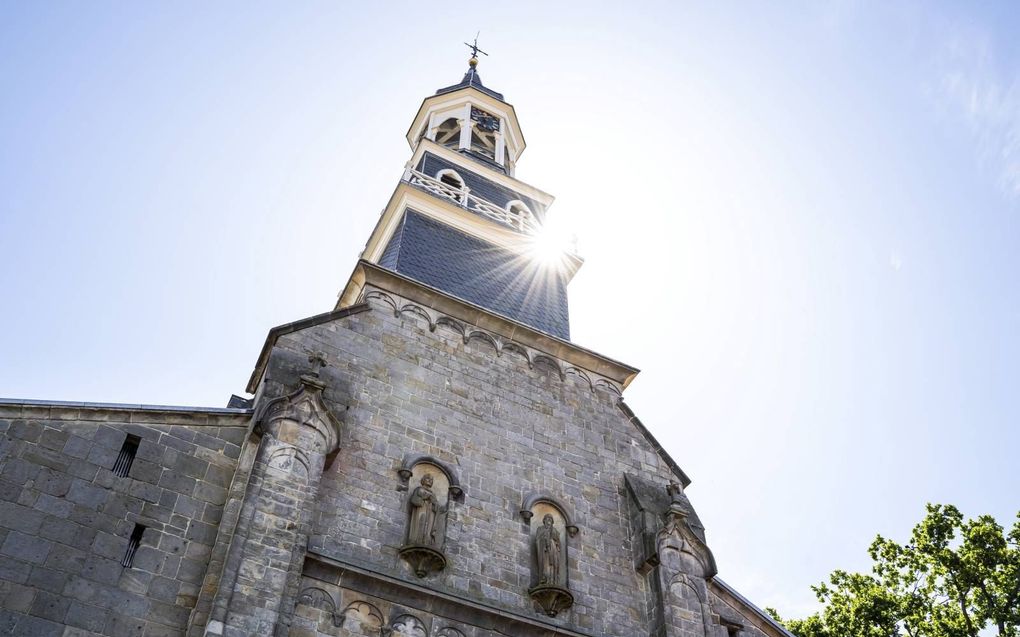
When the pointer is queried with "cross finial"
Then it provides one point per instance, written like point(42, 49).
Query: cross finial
point(674, 489)
point(475, 51)
point(318, 361)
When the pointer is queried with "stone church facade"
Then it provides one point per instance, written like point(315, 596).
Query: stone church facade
point(431, 458)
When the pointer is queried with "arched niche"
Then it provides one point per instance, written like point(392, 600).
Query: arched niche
point(549, 531)
point(431, 487)
point(528, 510)
point(410, 461)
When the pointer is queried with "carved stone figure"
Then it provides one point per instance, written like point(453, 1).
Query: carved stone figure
point(427, 511)
point(549, 553)
point(423, 508)
point(550, 592)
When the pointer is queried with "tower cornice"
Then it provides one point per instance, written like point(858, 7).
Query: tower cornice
point(369, 275)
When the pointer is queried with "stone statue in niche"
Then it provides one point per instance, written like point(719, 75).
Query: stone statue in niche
point(548, 529)
point(427, 508)
point(423, 508)
point(549, 553)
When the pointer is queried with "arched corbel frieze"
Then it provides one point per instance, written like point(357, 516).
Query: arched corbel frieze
point(385, 298)
point(550, 362)
point(510, 346)
point(484, 336)
point(579, 373)
point(417, 310)
point(467, 333)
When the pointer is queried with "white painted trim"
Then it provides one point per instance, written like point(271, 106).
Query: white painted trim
point(500, 144)
point(443, 210)
point(465, 127)
point(527, 210)
point(452, 156)
point(438, 104)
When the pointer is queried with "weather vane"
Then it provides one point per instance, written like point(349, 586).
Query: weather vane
point(474, 49)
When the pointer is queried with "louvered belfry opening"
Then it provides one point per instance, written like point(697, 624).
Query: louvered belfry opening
point(136, 539)
point(126, 455)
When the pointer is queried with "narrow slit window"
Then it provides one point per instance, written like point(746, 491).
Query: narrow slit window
point(126, 456)
point(136, 539)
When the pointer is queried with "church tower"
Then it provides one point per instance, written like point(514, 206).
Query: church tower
point(432, 458)
point(460, 222)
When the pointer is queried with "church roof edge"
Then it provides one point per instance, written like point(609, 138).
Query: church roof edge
point(289, 328)
point(652, 440)
point(25, 408)
point(750, 605)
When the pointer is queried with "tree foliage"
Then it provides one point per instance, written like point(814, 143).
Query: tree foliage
point(954, 578)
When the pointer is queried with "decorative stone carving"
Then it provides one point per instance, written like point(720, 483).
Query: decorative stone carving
point(408, 626)
point(549, 553)
point(361, 618)
point(301, 420)
point(686, 565)
point(549, 528)
point(431, 485)
point(532, 357)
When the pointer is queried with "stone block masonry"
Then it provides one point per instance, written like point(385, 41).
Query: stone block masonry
point(292, 518)
point(66, 518)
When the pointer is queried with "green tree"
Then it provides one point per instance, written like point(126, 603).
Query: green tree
point(955, 578)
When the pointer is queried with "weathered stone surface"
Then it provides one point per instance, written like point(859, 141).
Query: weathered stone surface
point(65, 520)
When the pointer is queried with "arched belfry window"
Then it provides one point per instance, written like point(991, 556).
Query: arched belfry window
point(452, 184)
point(448, 133)
point(519, 214)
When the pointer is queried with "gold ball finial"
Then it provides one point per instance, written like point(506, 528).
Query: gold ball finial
point(473, 62)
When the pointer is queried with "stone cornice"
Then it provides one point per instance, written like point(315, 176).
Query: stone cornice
point(324, 567)
point(408, 295)
point(122, 412)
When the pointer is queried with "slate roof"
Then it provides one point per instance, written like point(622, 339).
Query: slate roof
point(471, 78)
point(478, 272)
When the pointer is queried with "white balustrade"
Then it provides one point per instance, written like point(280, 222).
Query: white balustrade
point(464, 198)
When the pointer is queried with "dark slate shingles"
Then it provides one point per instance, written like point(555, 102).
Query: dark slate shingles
point(481, 273)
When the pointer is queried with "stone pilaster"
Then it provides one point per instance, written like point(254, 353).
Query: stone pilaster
point(685, 564)
point(263, 566)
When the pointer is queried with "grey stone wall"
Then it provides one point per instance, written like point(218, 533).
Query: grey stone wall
point(245, 536)
point(65, 517)
point(507, 429)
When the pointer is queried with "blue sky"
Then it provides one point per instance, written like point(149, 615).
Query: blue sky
point(800, 221)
